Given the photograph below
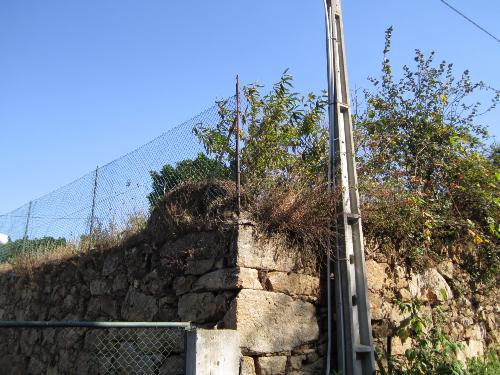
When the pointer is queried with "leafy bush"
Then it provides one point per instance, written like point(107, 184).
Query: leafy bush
point(427, 178)
point(201, 168)
point(487, 365)
point(432, 351)
point(282, 135)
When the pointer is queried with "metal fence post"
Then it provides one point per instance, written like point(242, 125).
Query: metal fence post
point(237, 156)
point(25, 237)
point(92, 212)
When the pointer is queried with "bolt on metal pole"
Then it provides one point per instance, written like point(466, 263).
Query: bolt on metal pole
point(353, 322)
point(237, 138)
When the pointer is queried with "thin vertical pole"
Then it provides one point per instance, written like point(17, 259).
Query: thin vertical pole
point(26, 227)
point(332, 265)
point(237, 156)
point(92, 212)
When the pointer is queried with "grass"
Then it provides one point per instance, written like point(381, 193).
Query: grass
point(103, 237)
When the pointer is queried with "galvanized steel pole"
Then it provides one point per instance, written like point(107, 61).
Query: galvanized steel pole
point(353, 322)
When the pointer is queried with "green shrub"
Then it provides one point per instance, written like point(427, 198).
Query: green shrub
point(486, 365)
point(427, 178)
point(202, 168)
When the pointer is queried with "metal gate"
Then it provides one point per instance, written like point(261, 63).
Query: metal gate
point(82, 347)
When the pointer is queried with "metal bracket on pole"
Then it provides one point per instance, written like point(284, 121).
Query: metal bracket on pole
point(353, 322)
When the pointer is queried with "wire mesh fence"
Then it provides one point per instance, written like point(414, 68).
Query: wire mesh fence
point(118, 196)
point(93, 348)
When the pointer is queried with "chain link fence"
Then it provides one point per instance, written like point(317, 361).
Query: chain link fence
point(118, 197)
point(93, 347)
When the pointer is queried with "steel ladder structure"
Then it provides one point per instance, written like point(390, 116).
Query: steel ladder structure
point(353, 325)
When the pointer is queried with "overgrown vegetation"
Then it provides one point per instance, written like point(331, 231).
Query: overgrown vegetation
point(430, 183)
point(13, 248)
point(489, 364)
point(201, 168)
point(432, 351)
point(26, 255)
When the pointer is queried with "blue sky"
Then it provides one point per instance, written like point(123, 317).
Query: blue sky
point(83, 82)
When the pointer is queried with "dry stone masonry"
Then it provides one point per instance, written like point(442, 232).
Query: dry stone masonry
point(469, 318)
point(229, 278)
point(224, 278)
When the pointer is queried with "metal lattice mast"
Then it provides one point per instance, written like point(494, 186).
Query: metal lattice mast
point(354, 336)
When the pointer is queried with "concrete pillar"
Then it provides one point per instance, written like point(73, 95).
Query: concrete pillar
point(213, 352)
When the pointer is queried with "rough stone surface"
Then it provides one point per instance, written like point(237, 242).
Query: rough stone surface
point(98, 287)
point(261, 254)
point(271, 365)
point(398, 347)
point(183, 284)
point(228, 278)
point(430, 285)
point(247, 366)
point(446, 269)
point(257, 289)
point(139, 306)
point(259, 315)
point(197, 307)
point(376, 274)
point(293, 284)
point(199, 266)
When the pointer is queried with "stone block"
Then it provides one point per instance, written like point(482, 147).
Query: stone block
point(120, 283)
point(473, 348)
point(138, 306)
point(446, 269)
point(261, 254)
point(228, 279)
point(293, 284)
point(431, 286)
point(399, 347)
point(98, 287)
point(271, 365)
point(199, 266)
point(111, 264)
point(377, 310)
point(296, 361)
point(197, 307)
point(167, 312)
point(270, 322)
point(102, 305)
point(247, 366)
point(375, 274)
point(183, 284)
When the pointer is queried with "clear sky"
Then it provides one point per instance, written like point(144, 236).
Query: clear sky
point(83, 82)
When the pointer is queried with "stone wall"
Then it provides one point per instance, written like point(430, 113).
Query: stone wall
point(226, 278)
point(469, 317)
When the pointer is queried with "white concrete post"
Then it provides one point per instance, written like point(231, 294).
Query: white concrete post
point(213, 352)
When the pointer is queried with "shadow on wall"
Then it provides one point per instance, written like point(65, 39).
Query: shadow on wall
point(194, 261)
